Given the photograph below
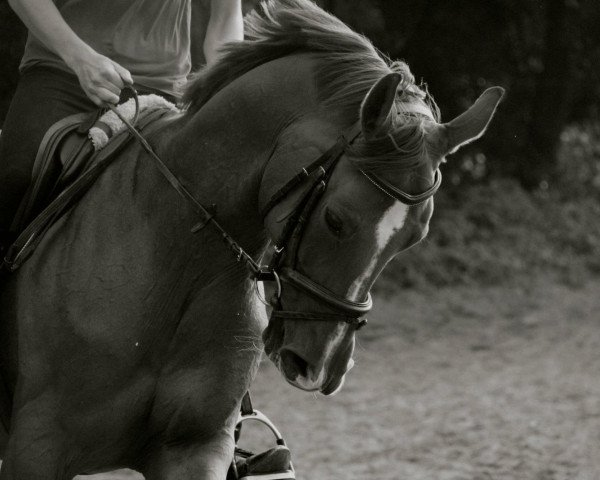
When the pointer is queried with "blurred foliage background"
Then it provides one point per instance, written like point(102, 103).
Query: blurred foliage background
point(544, 52)
point(525, 197)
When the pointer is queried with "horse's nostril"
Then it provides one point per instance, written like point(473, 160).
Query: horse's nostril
point(293, 365)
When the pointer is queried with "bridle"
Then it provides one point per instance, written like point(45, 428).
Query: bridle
point(287, 246)
point(282, 267)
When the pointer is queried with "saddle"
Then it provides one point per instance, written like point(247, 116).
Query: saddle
point(68, 162)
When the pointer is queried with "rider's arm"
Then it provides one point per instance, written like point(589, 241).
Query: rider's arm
point(226, 24)
point(101, 78)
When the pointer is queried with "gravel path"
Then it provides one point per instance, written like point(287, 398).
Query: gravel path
point(456, 384)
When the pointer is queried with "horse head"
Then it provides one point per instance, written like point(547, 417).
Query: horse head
point(377, 203)
point(322, 91)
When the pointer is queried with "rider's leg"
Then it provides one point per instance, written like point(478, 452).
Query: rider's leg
point(43, 97)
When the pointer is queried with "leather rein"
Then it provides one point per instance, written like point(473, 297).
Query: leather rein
point(317, 175)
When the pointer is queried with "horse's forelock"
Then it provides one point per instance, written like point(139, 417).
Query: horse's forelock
point(405, 146)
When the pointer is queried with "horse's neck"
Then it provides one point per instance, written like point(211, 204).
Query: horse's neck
point(223, 149)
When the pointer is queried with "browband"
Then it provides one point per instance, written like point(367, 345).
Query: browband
point(402, 196)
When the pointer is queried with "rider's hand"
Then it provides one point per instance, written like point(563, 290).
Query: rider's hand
point(101, 79)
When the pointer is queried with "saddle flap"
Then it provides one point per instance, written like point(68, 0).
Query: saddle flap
point(47, 168)
point(38, 212)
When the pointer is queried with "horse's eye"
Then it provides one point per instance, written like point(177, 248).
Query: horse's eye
point(334, 222)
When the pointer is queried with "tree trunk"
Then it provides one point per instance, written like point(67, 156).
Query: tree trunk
point(554, 91)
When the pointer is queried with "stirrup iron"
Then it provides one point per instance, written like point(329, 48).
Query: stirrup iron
point(272, 464)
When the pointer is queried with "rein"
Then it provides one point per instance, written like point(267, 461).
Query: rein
point(288, 244)
point(205, 214)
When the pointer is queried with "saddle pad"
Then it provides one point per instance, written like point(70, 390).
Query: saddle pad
point(110, 124)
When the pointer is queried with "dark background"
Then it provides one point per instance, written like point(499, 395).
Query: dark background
point(546, 53)
point(524, 200)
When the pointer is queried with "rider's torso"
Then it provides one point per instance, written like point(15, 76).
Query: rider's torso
point(150, 38)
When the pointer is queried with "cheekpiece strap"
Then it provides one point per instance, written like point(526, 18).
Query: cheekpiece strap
point(333, 153)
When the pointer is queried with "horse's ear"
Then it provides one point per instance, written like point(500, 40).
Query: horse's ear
point(471, 124)
point(377, 106)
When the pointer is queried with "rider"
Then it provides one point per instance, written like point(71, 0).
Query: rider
point(81, 53)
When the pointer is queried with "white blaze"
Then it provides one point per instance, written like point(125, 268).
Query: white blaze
point(317, 378)
point(390, 222)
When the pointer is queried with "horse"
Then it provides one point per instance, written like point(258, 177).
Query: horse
point(129, 337)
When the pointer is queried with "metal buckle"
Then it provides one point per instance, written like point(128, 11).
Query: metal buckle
point(267, 276)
